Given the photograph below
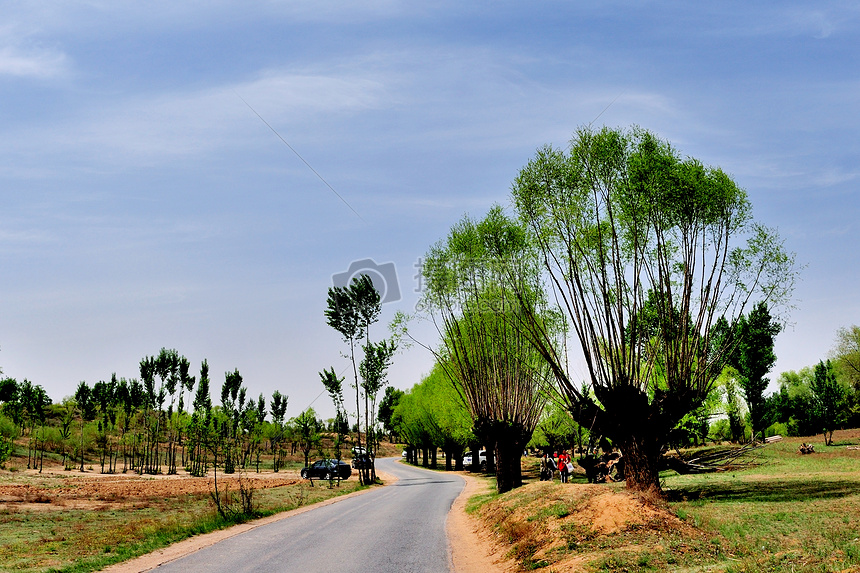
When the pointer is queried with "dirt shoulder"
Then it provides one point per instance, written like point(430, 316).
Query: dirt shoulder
point(473, 547)
point(152, 560)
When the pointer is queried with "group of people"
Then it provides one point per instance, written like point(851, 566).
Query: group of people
point(560, 462)
point(598, 468)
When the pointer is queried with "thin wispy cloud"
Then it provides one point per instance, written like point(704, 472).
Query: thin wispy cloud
point(32, 63)
point(144, 131)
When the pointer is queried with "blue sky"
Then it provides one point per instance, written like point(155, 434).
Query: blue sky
point(144, 205)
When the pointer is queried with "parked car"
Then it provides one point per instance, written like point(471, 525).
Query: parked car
point(357, 451)
point(327, 469)
point(482, 459)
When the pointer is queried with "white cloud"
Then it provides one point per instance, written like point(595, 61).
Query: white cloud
point(33, 63)
point(820, 21)
point(141, 130)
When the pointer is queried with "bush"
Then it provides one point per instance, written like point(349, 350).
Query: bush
point(720, 431)
point(776, 429)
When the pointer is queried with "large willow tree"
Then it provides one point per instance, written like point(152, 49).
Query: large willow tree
point(470, 295)
point(643, 251)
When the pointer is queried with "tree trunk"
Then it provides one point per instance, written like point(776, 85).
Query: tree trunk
point(508, 454)
point(641, 463)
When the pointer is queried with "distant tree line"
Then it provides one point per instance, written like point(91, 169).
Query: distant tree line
point(161, 422)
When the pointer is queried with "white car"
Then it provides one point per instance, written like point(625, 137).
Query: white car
point(482, 459)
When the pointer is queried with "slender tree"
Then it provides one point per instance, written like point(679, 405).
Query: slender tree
point(307, 432)
point(86, 411)
point(374, 369)
point(753, 358)
point(232, 406)
point(829, 400)
point(201, 421)
point(278, 410)
point(334, 386)
point(352, 310)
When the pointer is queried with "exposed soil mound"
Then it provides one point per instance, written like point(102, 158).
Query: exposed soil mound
point(566, 525)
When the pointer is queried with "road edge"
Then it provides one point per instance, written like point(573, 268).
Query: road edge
point(472, 547)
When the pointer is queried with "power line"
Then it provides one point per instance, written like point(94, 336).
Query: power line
point(299, 156)
point(607, 107)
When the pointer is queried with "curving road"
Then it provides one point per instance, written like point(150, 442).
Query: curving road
point(395, 529)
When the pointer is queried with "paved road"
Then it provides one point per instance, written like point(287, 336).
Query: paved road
point(396, 529)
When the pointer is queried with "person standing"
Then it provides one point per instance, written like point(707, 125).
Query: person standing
point(563, 470)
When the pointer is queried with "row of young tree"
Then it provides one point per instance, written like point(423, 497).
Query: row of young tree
point(158, 423)
point(625, 257)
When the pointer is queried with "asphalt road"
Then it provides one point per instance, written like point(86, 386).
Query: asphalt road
point(395, 529)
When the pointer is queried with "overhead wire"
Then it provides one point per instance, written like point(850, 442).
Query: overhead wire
point(309, 166)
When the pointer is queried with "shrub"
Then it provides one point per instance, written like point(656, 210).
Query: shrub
point(776, 429)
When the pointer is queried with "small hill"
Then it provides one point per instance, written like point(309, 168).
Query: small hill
point(567, 527)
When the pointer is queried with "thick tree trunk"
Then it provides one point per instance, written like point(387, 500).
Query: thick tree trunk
point(641, 463)
point(509, 474)
point(507, 452)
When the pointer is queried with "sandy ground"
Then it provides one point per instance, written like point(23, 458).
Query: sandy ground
point(473, 550)
point(56, 489)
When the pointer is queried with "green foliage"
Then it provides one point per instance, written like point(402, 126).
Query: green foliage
point(776, 429)
point(753, 358)
point(387, 406)
point(482, 283)
point(558, 431)
point(735, 412)
point(374, 366)
point(8, 433)
point(797, 403)
point(626, 227)
point(307, 432)
point(351, 310)
point(829, 399)
point(846, 355)
point(432, 415)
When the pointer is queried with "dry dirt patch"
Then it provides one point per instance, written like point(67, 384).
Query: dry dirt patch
point(54, 490)
point(561, 525)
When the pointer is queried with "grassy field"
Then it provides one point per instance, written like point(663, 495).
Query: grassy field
point(788, 513)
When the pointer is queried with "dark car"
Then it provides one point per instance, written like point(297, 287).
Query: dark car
point(327, 469)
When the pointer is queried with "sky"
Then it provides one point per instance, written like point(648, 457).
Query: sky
point(195, 175)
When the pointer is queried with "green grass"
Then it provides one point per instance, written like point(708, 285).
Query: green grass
point(475, 502)
point(790, 513)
